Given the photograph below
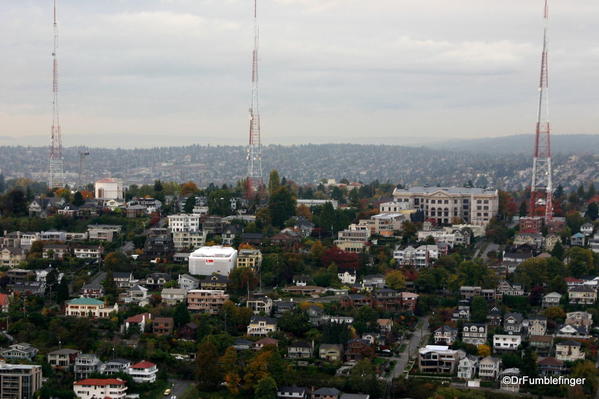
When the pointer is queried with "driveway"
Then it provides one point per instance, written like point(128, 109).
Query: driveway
point(420, 334)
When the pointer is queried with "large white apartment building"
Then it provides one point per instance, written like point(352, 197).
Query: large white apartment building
point(184, 222)
point(215, 259)
point(109, 188)
point(442, 204)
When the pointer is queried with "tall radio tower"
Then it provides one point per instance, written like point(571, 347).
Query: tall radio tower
point(56, 167)
point(541, 189)
point(254, 149)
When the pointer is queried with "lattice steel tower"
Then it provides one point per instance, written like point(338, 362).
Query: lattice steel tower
point(56, 167)
point(541, 189)
point(254, 149)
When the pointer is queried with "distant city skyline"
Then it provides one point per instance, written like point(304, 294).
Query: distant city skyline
point(167, 71)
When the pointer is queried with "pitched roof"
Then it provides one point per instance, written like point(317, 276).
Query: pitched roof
point(138, 318)
point(86, 301)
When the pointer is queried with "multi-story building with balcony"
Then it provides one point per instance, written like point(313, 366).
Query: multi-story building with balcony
point(443, 204)
point(208, 301)
point(19, 381)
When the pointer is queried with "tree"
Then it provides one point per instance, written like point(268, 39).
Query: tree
point(78, 199)
point(523, 209)
point(558, 250)
point(13, 203)
point(158, 188)
point(295, 322)
point(343, 260)
point(116, 262)
point(326, 219)
point(189, 188)
point(181, 315)
point(395, 280)
point(587, 370)
point(190, 203)
point(281, 206)
point(479, 309)
point(363, 378)
point(274, 182)
point(266, 388)
point(484, 350)
point(242, 280)
point(592, 211)
point(207, 374)
point(228, 363)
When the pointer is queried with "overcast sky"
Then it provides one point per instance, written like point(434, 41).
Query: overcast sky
point(135, 72)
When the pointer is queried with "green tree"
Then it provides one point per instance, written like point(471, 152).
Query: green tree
point(592, 211)
point(208, 375)
point(587, 370)
point(395, 280)
point(479, 309)
point(281, 206)
point(181, 315)
point(558, 250)
point(274, 182)
point(295, 322)
point(190, 203)
point(266, 388)
point(523, 209)
point(78, 199)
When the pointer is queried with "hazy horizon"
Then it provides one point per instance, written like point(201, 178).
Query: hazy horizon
point(175, 72)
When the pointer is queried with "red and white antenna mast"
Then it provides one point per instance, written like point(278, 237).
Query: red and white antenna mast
point(254, 149)
point(541, 189)
point(56, 167)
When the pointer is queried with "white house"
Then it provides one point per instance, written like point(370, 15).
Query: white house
point(261, 326)
point(467, 367)
point(347, 278)
point(488, 367)
point(143, 372)
point(113, 388)
point(506, 342)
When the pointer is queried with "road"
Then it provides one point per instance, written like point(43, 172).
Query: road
point(179, 387)
point(412, 348)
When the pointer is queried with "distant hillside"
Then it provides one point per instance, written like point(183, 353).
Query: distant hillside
point(523, 144)
point(307, 163)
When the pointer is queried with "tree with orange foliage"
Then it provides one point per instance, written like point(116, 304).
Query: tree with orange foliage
point(189, 188)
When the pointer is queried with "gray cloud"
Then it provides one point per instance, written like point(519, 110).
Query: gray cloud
point(331, 70)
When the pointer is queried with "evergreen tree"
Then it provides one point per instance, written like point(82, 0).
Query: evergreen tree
point(181, 315)
point(189, 204)
point(558, 250)
point(281, 206)
point(592, 211)
point(78, 199)
point(274, 182)
point(523, 209)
